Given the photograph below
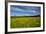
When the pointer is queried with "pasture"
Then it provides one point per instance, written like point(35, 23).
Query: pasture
point(25, 22)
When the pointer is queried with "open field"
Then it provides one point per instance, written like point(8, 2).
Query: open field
point(25, 22)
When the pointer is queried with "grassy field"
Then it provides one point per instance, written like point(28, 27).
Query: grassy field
point(25, 22)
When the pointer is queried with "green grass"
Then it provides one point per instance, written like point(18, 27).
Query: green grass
point(25, 22)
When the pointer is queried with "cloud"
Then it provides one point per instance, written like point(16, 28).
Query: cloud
point(21, 10)
point(19, 14)
point(33, 11)
point(16, 9)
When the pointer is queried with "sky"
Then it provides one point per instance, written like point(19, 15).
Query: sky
point(16, 10)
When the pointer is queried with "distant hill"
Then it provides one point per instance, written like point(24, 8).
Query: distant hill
point(27, 16)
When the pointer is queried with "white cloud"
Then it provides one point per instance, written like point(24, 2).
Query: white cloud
point(25, 14)
point(22, 10)
point(33, 11)
point(18, 9)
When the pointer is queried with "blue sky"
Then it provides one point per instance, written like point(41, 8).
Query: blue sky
point(24, 10)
